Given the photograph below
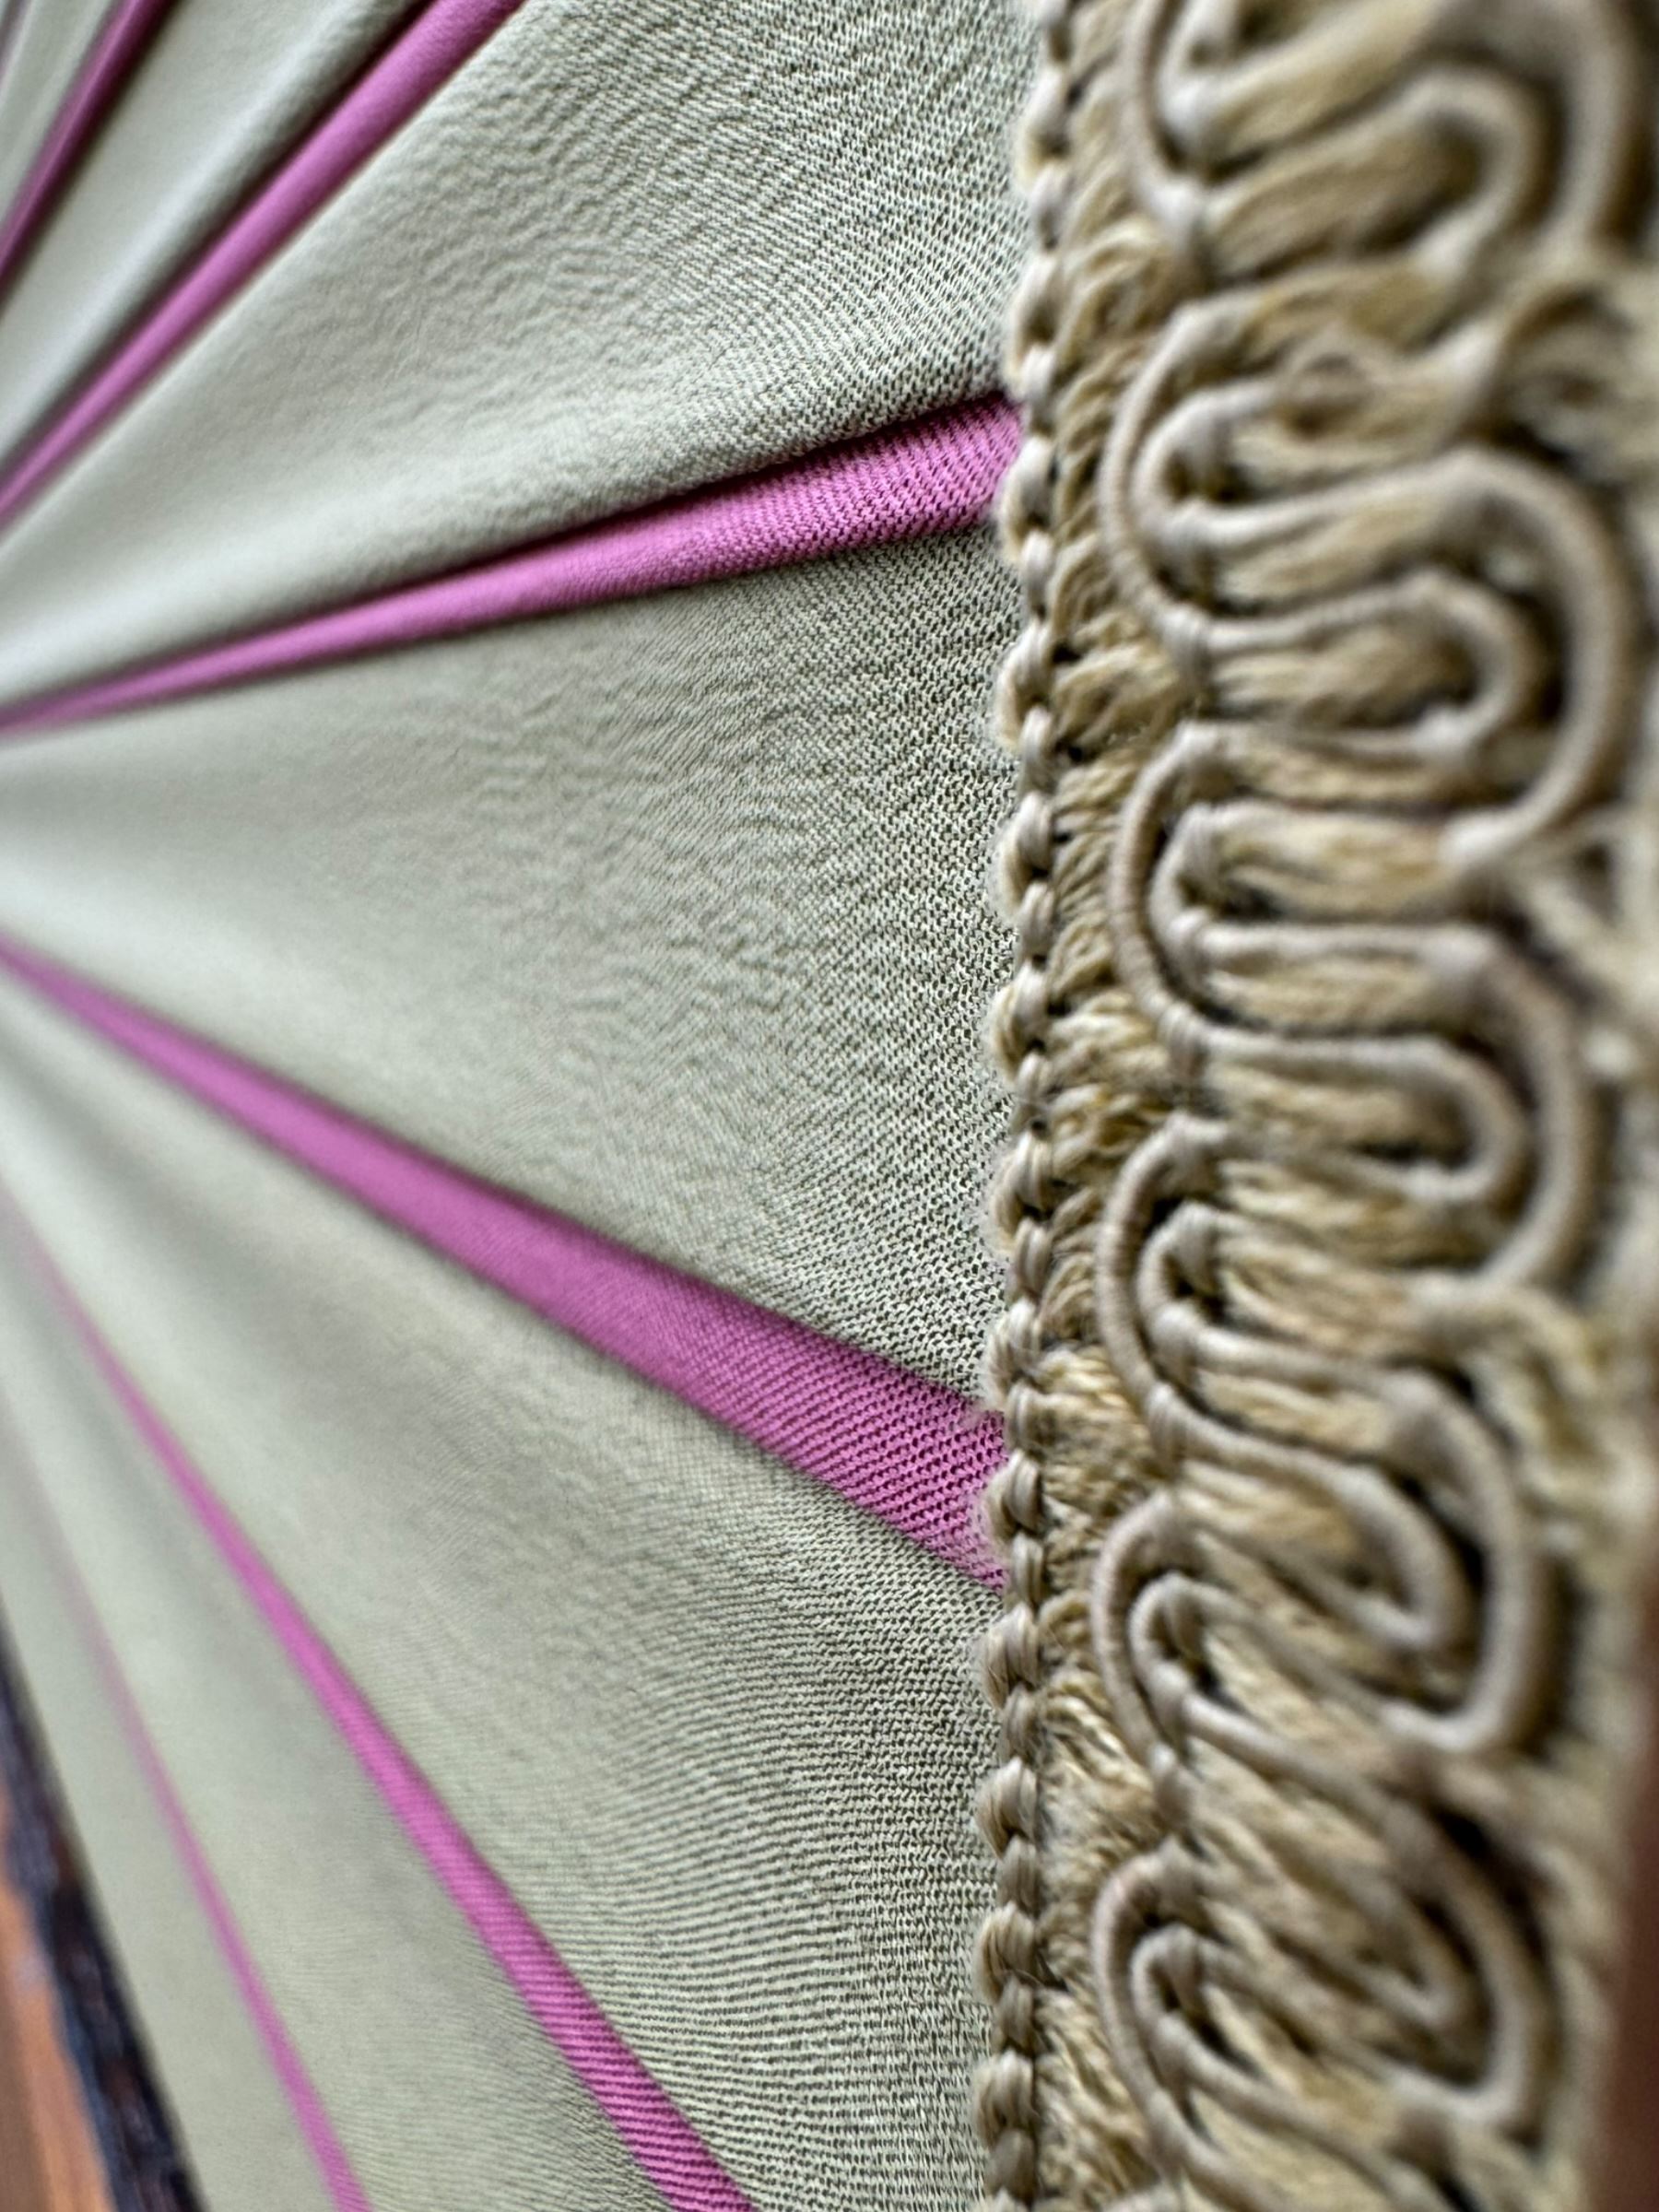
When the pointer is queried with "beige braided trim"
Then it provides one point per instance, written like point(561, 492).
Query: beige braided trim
point(1330, 1206)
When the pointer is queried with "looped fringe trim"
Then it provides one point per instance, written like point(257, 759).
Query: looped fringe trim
point(1330, 1205)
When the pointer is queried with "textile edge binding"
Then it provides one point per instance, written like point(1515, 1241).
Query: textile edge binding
point(1330, 1205)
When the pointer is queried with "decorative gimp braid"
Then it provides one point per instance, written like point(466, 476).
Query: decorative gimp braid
point(1330, 1208)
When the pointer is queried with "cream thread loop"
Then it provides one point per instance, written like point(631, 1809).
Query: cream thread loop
point(1340, 631)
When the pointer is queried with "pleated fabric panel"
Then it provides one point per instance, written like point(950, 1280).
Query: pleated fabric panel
point(497, 618)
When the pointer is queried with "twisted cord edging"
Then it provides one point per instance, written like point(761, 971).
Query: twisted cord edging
point(1008, 1958)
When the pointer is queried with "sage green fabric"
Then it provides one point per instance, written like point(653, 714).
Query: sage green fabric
point(719, 1730)
point(671, 914)
point(39, 60)
point(441, 2090)
point(232, 2118)
point(630, 247)
point(224, 88)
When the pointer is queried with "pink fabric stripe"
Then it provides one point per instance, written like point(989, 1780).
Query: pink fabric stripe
point(121, 40)
point(444, 35)
point(666, 2146)
point(916, 480)
point(327, 2149)
point(903, 1448)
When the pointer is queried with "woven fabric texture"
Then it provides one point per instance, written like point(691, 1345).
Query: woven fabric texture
point(496, 632)
point(360, 1943)
point(906, 1450)
point(864, 282)
point(245, 2152)
point(220, 91)
point(688, 937)
point(492, 1105)
point(771, 1890)
point(41, 56)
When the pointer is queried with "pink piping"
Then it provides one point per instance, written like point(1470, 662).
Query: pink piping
point(916, 480)
point(663, 2142)
point(326, 2147)
point(121, 40)
point(903, 1448)
point(444, 36)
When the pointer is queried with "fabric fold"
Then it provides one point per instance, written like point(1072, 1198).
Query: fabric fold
point(440, 39)
point(664, 2143)
point(918, 479)
point(905, 1449)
